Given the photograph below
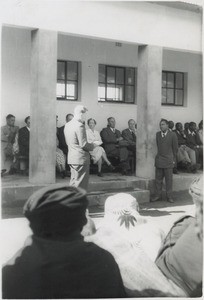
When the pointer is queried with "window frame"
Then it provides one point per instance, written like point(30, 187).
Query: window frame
point(174, 88)
point(66, 81)
point(115, 84)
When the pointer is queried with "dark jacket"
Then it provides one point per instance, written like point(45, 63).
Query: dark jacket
point(109, 139)
point(167, 148)
point(181, 138)
point(192, 140)
point(50, 269)
point(23, 141)
point(129, 137)
point(61, 138)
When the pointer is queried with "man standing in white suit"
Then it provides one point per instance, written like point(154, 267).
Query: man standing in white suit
point(78, 154)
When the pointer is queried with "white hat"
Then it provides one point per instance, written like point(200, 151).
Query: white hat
point(122, 209)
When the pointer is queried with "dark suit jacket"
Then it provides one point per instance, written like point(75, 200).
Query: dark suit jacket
point(23, 141)
point(61, 138)
point(129, 137)
point(75, 136)
point(181, 138)
point(167, 148)
point(192, 140)
point(109, 139)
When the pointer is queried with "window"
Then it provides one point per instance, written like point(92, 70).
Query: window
point(67, 80)
point(116, 84)
point(172, 88)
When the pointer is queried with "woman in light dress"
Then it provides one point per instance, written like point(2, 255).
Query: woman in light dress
point(98, 154)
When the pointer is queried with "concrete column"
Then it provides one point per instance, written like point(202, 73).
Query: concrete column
point(43, 106)
point(148, 107)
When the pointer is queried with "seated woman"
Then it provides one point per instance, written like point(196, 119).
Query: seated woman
point(98, 154)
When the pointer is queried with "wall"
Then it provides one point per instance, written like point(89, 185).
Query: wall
point(129, 21)
point(192, 65)
point(15, 96)
point(16, 77)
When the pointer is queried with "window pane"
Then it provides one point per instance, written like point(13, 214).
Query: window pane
point(115, 93)
point(179, 97)
point(60, 70)
point(72, 90)
point(119, 76)
point(170, 80)
point(129, 94)
point(60, 89)
point(164, 79)
point(170, 96)
point(119, 93)
point(164, 91)
point(110, 75)
point(130, 76)
point(101, 92)
point(72, 70)
point(179, 80)
point(102, 73)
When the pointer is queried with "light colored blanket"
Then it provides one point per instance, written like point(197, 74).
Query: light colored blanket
point(140, 275)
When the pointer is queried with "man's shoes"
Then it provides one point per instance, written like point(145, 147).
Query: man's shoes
point(170, 200)
point(100, 174)
point(156, 198)
point(175, 171)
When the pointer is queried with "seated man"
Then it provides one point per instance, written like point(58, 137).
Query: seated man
point(185, 155)
point(115, 145)
point(8, 134)
point(193, 142)
point(56, 263)
point(171, 125)
point(180, 258)
point(61, 136)
point(129, 135)
point(23, 142)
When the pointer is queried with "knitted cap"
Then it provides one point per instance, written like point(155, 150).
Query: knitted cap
point(56, 208)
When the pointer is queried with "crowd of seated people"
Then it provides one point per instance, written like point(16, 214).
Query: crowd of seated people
point(116, 149)
point(126, 256)
point(190, 141)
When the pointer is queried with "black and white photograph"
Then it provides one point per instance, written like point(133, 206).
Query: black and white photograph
point(101, 149)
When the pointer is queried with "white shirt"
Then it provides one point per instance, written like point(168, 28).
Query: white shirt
point(163, 134)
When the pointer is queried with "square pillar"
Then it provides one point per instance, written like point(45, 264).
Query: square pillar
point(148, 108)
point(43, 107)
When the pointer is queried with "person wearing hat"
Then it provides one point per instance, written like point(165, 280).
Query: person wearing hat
point(181, 255)
point(134, 242)
point(78, 154)
point(55, 262)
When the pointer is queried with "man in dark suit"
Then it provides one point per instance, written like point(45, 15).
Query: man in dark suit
point(23, 142)
point(24, 139)
point(115, 145)
point(61, 137)
point(129, 135)
point(193, 141)
point(78, 154)
point(167, 145)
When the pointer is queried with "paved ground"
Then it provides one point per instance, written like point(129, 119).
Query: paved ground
point(15, 230)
